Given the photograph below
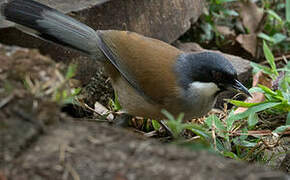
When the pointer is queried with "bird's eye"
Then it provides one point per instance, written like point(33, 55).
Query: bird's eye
point(217, 75)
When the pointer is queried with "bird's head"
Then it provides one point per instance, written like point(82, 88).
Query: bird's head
point(208, 68)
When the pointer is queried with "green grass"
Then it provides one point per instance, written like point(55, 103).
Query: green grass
point(63, 94)
point(231, 136)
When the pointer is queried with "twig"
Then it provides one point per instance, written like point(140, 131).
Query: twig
point(282, 57)
point(213, 135)
point(6, 100)
point(72, 171)
point(278, 59)
point(68, 167)
point(150, 134)
point(166, 128)
point(107, 116)
point(285, 59)
point(257, 133)
point(63, 148)
point(61, 157)
point(192, 139)
point(90, 120)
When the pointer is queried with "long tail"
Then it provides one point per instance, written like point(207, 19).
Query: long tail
point(51, 25)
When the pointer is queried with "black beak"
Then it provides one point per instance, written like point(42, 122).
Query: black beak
point(240, 87)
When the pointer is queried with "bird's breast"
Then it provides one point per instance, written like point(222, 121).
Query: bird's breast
point(199, 99)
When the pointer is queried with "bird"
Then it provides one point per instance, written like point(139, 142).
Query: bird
point(148, 75)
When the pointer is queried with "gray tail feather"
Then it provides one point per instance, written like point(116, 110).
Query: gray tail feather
point(51, 25)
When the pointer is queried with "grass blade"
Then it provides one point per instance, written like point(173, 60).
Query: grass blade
point(253, 109)
point(270, 58)
point(288, 10)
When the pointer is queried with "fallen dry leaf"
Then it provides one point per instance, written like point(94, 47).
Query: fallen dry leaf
point(263, 79)
point(248, 42)
point(103, 111)
point(225, 30)
point(251, 15)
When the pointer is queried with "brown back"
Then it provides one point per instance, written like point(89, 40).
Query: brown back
point(146, 62)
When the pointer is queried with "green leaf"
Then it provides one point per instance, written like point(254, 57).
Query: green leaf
point(270, 58)
point(271, 95)
point(253, 119)
point(288, 10)
point(175, 125)
point(255, 89)
point(274, 15)
point(155, 125)
point(279, 37)
point(265, 69)
point(71, 71)
point(241, 141)
point(253, 109)
point(288, 119)
point(180, 117)
point(220, 145)
point(210, 119)
point(281, 129)
point(230, 121)
point(284, 69)
point(267, 90)
point(242, 103)
point(248, 144)
point(266, 37)
point(228, 12)
point(198, 130)
point(231, 155)
point(220, 127)
point(208, 31)
point(224, 1)
point(76, 91)
point(115, 103)
point(168, 115)
point(287, 25)
point(286, 95)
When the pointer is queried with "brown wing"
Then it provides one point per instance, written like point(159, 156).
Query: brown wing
point(145, 63)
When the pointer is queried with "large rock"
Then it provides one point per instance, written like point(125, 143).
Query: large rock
point(92, 151)
point(165, 20)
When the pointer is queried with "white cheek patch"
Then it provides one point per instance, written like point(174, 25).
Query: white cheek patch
point(205, 88)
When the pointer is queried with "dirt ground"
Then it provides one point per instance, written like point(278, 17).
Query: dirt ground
point(38, 141)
